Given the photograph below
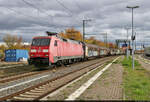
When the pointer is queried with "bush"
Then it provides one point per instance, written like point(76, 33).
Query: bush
point(2, 55)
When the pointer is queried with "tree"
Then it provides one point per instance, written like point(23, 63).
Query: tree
point(18, 44)
point(92, 40)
point(71, 34)
point(12, 41)
point(2, 51)
point(111, 45)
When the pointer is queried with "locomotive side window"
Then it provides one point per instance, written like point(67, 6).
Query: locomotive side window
point(55, 43)
point(40, 42)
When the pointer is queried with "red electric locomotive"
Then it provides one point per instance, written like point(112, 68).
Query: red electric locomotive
point(48, 50)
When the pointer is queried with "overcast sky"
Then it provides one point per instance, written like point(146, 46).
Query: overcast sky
point(28, 18)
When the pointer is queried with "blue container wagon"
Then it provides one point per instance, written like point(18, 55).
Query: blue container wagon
point(14, 55)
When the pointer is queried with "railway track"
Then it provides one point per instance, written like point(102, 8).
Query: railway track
point(27, 74)
point(145, 59)
point(11, 66)
point(12, 78)
point(42, 88)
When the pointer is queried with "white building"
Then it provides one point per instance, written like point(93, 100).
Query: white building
point(24, 43)
point(2, 43)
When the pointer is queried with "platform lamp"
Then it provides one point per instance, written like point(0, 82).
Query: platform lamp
point(132, 37)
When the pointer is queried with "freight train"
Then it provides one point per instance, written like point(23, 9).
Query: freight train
point(55, 50)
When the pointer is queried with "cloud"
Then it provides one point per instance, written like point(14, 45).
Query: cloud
point(29, 18)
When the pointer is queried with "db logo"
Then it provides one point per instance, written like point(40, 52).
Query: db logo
point(39, 50)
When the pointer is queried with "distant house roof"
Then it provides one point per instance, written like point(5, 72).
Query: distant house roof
point(26, 43)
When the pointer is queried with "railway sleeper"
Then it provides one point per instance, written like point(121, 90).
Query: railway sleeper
point(37, 91)
point(28, 96)
point(32, 93)
point(21, 98)
point(44, 87)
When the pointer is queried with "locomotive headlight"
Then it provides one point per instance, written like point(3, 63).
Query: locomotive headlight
point(33, 50)
point(45, 50)
point(46, 55)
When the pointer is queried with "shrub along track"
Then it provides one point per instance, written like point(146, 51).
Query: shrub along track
point(15, 70)
point(41, 89)
point(5, 64)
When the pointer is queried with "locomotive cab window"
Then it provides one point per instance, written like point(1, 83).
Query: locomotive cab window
point(41, 42)
point(55, 43)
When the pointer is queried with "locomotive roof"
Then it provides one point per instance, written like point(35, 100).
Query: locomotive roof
point(63, 39)
point(42, 37)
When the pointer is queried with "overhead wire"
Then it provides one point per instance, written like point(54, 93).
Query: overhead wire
point(19, 12)
point(32, 5)
point(41, 11)
point(77, 4)
point(70, 12)
point(34, 19)
point(35, 7)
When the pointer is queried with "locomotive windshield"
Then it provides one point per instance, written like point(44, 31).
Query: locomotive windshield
point(40, 42)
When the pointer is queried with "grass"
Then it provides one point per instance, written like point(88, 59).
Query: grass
point(136, 82)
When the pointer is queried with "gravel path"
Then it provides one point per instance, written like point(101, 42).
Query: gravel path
point(63, 94)
point(107, 87)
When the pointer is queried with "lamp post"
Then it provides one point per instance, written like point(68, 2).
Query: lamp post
point(132, 37)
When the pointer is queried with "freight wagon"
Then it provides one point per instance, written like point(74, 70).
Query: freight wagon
point(14, 55)
point(95, 51)
point(147, 51)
